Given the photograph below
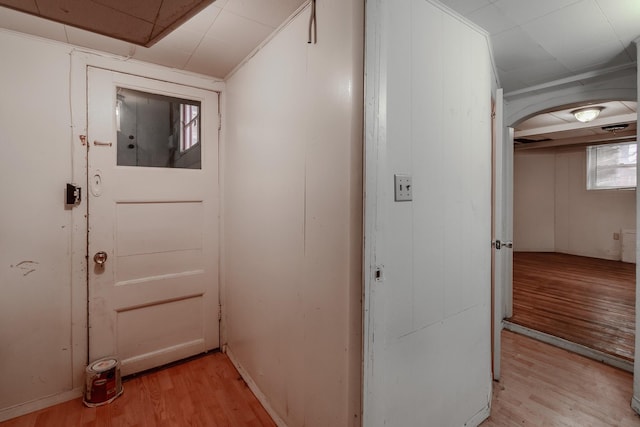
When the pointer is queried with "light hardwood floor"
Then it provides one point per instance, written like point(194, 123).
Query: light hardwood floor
point(206, 391)
point(587, 301)
point(541, 386)
point(546, 386)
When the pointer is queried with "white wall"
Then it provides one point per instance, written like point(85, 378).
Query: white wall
point(534, 201)
point(553, 211)
point(35, 231)
point(428, 320)
point(293, 218)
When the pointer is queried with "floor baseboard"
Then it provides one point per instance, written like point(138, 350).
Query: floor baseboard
point(570, 346)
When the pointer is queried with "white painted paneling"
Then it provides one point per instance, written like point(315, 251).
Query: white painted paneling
point(427, 322)
point(292, 218)
point(35, 230)
point(534, 202)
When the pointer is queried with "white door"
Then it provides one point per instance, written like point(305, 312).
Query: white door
point(502, 226)
point(153, 220)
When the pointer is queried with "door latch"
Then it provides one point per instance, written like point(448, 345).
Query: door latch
point(499, 245)
point(74, 195)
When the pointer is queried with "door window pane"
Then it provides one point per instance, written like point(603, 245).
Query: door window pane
point(157, 131)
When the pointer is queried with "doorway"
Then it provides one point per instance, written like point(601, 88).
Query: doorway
point(568, 237)
point(152, 219)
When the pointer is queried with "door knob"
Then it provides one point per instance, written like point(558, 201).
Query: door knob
point(100, 258)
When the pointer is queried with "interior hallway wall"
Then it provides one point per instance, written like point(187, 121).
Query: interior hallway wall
point(293, 216)
point(35, 230)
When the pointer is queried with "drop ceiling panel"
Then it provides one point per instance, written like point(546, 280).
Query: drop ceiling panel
point(28, 6)
point(243, 33)
point(543, 72)
point(143, 9)
point(174, 58)
point(201, 22)
point(214, 57)
point(604, 53)
point(267, 12)
point(514, 49)
point(557, 32)
point(523, 11)
point(141, 22)
point(170, 18)
point(624, 16)
point(181, 40)
point(465, 7)
point(100, 18)
point(492, 19)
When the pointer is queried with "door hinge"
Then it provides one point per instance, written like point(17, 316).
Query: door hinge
point(219, 312)
point(219, 121)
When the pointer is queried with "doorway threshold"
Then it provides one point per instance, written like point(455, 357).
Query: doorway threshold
point(582, 350)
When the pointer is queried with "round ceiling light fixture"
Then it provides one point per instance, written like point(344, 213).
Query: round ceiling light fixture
point(587, 114)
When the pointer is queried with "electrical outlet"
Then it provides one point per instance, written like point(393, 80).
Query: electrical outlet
point(403, 187)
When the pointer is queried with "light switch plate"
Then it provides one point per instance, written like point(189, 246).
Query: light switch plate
point(403, 187)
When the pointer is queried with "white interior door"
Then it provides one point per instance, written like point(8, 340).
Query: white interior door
point(502, 226)
point(153, 220)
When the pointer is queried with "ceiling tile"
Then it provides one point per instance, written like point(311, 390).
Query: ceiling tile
point(523, 11)
point(491, 19)
point(510, 81)
point(514, 49)
point(202, 21)
point(542, 72)
point(182, 40)
point(558, 32)
point(267, 12)
point(214, 57)
point(26, 5)
point(173, 13)
point(168, 57)
point(464, 7)
point(29, 24)
point(102, 19)
point(597, 55)
point(91, 40)
point(143, 9)
point(624, 15)
point(241, 33)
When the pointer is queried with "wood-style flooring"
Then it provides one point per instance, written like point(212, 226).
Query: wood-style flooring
point(206, 391)
point(541, 385)
point(546, 386)
point(587, 301)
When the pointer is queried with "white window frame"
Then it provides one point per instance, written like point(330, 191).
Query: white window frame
point(188, 138)
point(593, 167)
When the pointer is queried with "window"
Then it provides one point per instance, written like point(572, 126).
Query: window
point(189, 117)
point(611, 166)
point(157, 131)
